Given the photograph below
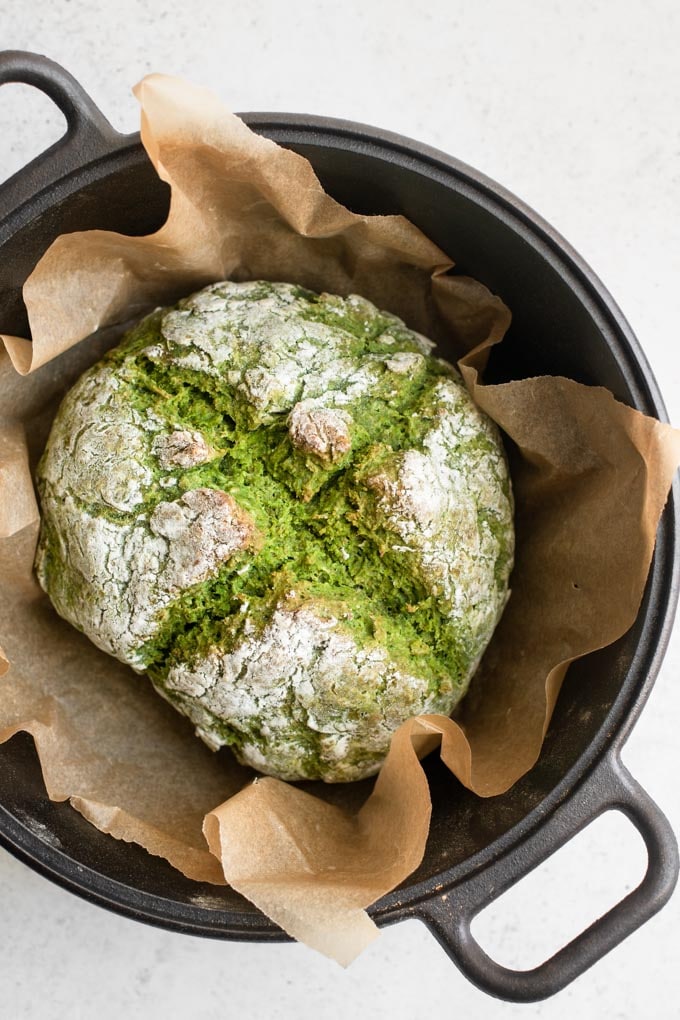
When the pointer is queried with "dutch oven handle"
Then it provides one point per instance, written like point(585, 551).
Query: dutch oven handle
point(88, 136)
point(449, 916)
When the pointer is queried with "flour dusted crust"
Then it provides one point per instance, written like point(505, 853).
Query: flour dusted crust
point(430, 500)
point(183, 448)
point(128, 572)
point(302, 650)
point(324, 431)
point(289, 513)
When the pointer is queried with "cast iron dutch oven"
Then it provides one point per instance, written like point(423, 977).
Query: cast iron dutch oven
point(564, 322)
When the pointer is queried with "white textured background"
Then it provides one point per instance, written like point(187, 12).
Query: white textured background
point(574, 107)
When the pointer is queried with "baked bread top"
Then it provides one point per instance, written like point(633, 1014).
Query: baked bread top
point(289, 513)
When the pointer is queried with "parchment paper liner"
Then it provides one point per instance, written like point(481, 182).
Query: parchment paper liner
point(590, 478)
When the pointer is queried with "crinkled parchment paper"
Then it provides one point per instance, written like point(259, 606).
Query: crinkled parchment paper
point(590, 477)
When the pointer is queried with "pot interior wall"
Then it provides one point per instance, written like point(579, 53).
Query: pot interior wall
point(556, 333)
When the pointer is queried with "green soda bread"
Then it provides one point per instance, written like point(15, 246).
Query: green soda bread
point(289, 514)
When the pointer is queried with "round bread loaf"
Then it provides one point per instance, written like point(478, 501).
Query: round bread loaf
point(289, 514)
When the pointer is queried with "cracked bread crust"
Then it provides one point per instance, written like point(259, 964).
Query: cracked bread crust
point(288, 513)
